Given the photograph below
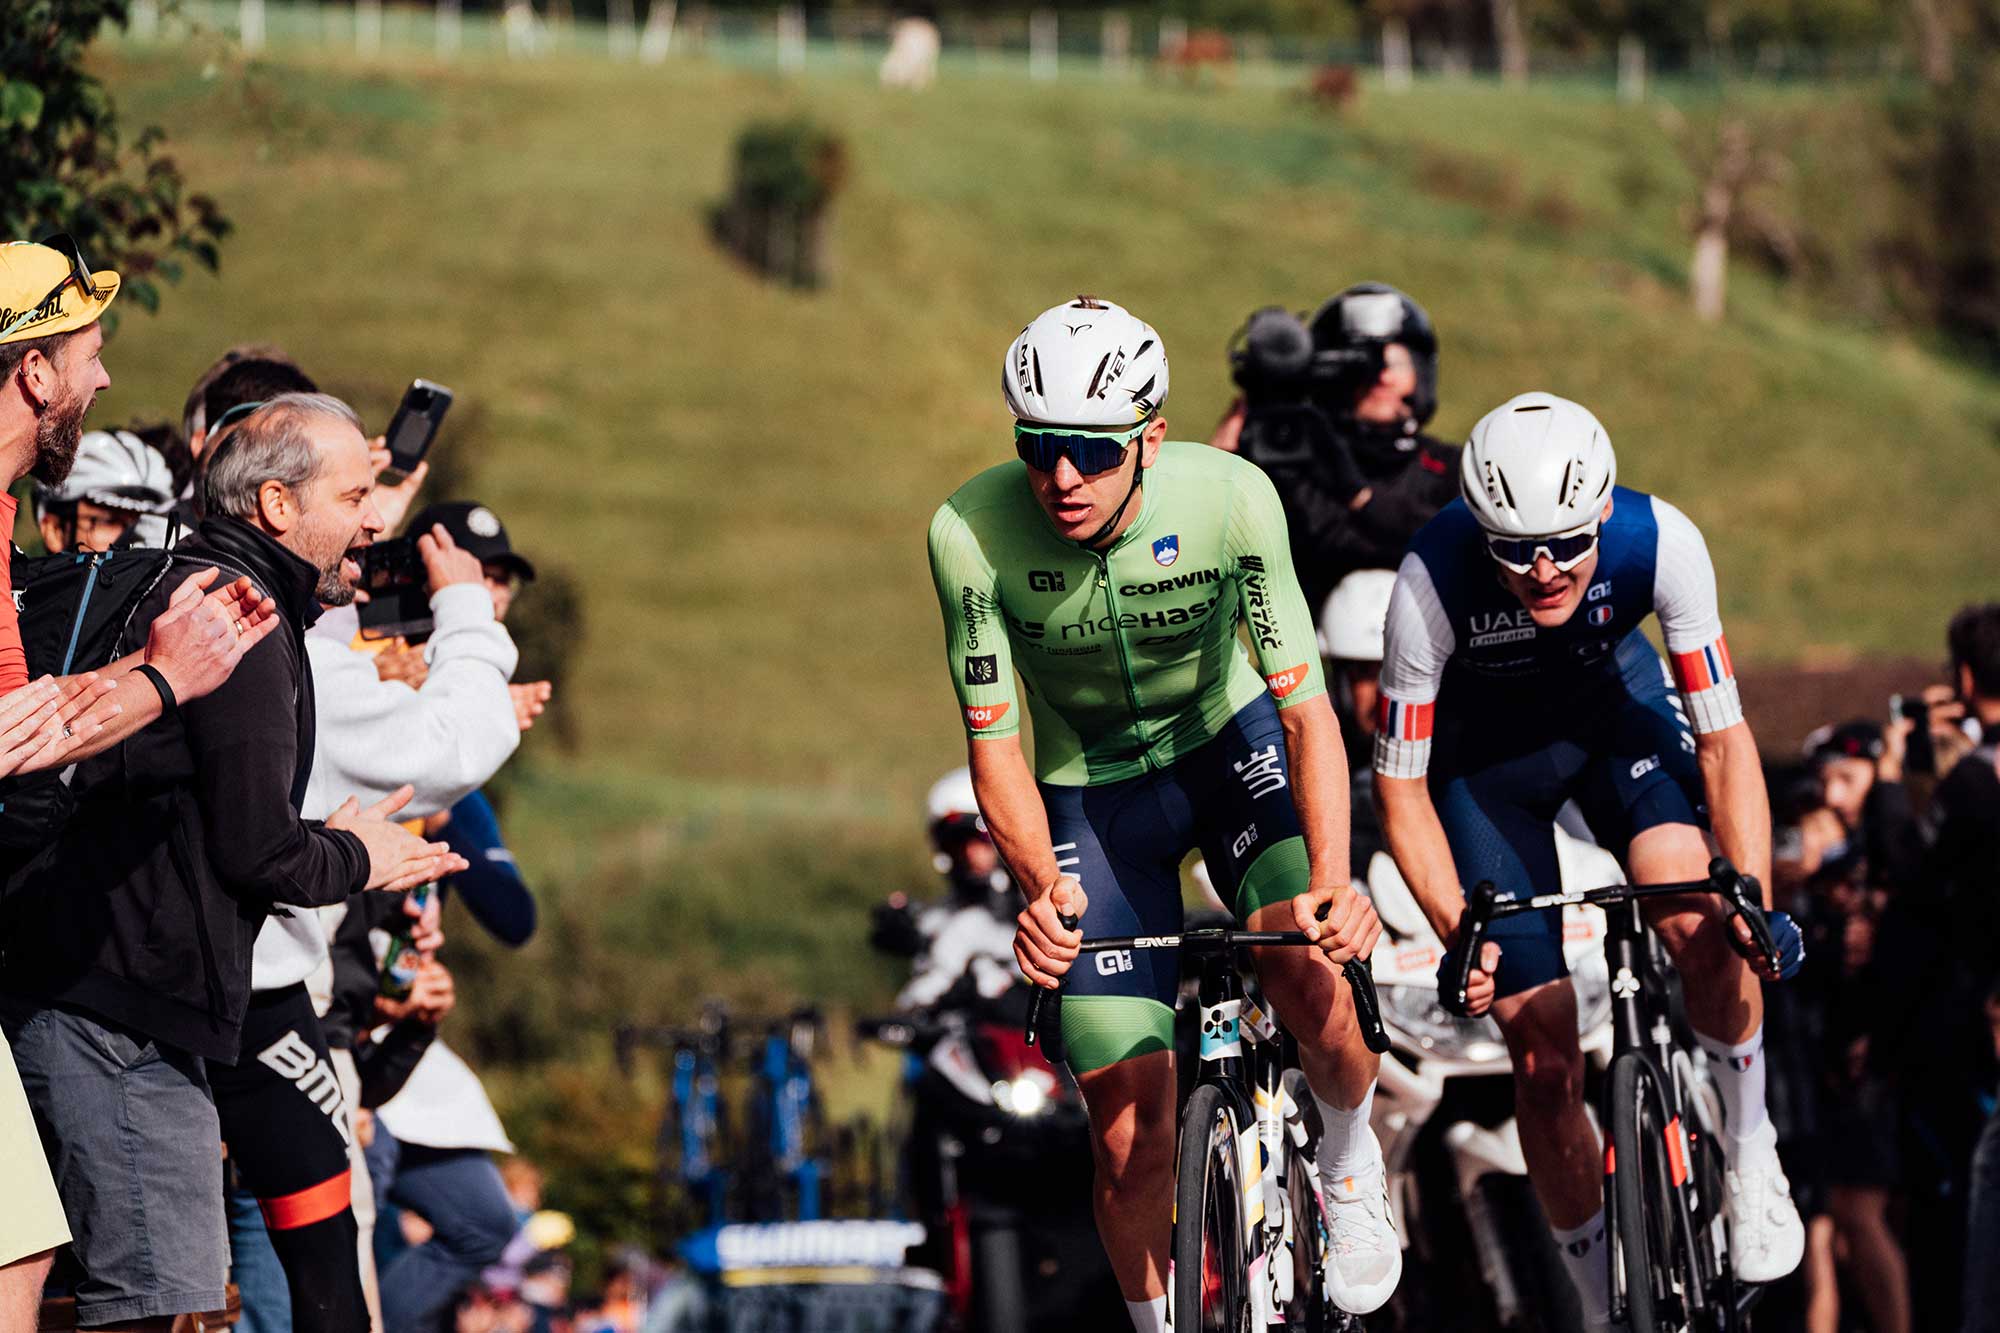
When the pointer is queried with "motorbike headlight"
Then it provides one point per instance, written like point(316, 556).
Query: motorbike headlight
point(1416, 1011)
point(1023, 1096)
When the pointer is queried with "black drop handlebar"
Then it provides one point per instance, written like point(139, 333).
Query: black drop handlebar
point(1360, 980)
point(1740, 895)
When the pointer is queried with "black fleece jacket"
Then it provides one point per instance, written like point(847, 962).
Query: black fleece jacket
point(187, 836)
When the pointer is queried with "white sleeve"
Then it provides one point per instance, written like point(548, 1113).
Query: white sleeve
point(1419, 644)
point(1684, 599)
point(446, 739)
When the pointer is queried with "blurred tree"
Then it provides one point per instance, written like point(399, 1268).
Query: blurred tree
point(63, 166)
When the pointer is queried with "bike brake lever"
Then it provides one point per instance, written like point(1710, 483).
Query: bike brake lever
point(1472, 936)
point(1035, 1000)
point(1367, 1005)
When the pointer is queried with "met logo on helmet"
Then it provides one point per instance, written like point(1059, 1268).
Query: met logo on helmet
point(1167, 549)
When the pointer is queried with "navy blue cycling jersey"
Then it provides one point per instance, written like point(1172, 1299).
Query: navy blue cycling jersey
point(1461, 644)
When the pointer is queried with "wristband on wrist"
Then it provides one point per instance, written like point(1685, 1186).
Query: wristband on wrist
point(169, 706)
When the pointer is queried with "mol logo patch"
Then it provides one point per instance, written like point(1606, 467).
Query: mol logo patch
point(1284, 682)
point(1167, 549)
point(981, 716)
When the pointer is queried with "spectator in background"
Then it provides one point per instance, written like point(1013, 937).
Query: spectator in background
point(1937, 957)
point(1354, 470)
point(1982, 1236)
point(127, 947)
point(117, 485)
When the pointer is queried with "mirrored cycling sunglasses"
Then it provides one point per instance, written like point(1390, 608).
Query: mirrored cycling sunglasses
point(79, 273)
point(1092, 451)
point(1565, 550)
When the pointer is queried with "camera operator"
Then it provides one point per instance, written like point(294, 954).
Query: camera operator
point(1333, 409)
point(128, 949)
point(116, 486)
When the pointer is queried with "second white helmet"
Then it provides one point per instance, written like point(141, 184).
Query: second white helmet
point(1537, 465)
point(1353, 626)
point(1086, 362)
point(115, 469)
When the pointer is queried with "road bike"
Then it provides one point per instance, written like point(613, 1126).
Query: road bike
point(1663, 1168)
point(1251, 1235)
point(692, 1146)
point(787, 1135)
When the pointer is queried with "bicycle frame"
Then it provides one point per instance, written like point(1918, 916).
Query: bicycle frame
point(1642, 1030)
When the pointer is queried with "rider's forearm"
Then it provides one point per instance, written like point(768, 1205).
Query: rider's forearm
point(1012, 808)
point(1739, 806)
point(1318, 762)
point(1416, 839)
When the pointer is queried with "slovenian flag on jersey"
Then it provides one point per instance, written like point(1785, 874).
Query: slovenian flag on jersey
point(1707, 681)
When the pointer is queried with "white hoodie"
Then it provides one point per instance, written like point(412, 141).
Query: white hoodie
point(373, 736)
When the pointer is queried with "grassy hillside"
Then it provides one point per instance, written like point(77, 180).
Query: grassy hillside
point(741, 475)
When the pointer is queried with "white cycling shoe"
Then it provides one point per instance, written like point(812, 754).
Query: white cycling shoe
point(1365, 1259)
point(1766, 1238)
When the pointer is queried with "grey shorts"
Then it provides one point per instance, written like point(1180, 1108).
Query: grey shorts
point(134, 1144)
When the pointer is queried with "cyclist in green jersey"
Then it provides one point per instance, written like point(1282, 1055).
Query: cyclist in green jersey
point(1112, 570)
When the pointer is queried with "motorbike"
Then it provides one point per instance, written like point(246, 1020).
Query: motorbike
point(1478, 1253)
point(996, 1163)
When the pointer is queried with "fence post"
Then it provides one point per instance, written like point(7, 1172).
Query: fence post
point(1117, 44)
point(1631, 68)
point(619, 34)
point(1042, 34)
point(448, 32)
point(658, 37)
point(791, 39)
point(250, 22)
point(368, 27)
point(1396, 54)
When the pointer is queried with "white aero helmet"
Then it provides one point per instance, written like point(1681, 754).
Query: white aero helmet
point(1086, 363)
point(115, 469)
point(1354, 622)
point(1537, 465)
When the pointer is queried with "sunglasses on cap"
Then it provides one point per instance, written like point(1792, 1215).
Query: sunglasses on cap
point(79, 273)
point(1092, 451)
point(1565, 550)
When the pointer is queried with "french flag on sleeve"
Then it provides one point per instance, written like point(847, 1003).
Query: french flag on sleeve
point(1403, 738)
point(1707, 681)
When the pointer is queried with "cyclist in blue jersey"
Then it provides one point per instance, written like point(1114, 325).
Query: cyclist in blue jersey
point(1517, 680)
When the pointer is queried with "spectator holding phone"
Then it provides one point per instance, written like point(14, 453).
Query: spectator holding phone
point(127, 960)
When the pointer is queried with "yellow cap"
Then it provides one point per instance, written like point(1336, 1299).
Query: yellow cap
point(28, 274)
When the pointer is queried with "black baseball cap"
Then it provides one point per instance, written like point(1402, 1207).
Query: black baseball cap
point(1858, 739)
point(477, 529)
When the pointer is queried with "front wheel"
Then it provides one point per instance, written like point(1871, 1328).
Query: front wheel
point(1645, 1262)
point(1309, 1307)
point(1210, 1290)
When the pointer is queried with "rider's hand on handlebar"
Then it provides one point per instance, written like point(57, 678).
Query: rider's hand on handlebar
point(1785, 935)
point(1479, 994)
point(1042, 946)
point(1340, 919)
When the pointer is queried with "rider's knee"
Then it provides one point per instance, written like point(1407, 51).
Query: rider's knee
point(1549, 1077)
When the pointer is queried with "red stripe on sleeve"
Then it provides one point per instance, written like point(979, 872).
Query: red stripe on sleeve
point(1691, 671)
point(289, 1212)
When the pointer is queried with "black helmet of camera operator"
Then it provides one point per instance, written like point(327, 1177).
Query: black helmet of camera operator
point(1372, 314)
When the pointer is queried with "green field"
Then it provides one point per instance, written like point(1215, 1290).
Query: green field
point(740, 475)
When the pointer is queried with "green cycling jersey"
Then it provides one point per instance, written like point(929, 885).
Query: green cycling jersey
point(1129, 654)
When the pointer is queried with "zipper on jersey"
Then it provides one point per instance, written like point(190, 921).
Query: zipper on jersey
point(1124, 656)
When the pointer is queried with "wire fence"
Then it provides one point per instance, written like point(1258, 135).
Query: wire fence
point(1109, 45)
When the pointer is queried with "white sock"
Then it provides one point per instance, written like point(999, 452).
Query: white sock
point(1589, 1262)
point(1149, 1316)
point(1347, 1146)
point(1738, 1072)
